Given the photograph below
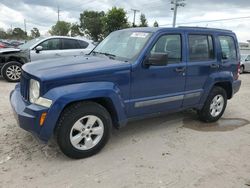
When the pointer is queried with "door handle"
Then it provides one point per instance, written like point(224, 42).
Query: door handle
point(58, 54)
point(180, 69)
point(215, 66)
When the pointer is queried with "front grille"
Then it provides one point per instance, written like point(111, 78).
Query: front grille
point(24, 87)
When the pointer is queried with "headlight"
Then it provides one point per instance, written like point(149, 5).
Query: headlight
point(34, 95)
point(34, 91)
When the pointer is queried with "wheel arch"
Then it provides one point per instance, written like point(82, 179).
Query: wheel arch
point(103, 93)
point(15, 58)
point(227, 86)
point(106, 102)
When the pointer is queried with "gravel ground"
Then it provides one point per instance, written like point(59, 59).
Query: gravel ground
point(170, 151)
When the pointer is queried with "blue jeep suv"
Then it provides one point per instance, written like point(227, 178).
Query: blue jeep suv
point(133, 73)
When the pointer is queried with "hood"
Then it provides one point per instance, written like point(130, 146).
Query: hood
point(73, 67)
point(9, 50)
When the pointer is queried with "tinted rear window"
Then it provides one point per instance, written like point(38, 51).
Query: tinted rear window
point(83, 44)
point(228, 48)
point(200, 48)
point(70, 44)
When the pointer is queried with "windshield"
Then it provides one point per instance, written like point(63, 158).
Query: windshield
point(123, 45)
point(30, 43)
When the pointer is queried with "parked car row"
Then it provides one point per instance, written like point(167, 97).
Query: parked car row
point(11, 59)
point(10, 44)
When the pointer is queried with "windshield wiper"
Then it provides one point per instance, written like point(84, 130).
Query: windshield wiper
point(111, 56)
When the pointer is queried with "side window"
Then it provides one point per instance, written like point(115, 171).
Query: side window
point(70, 44)
point(200, 48)
point(83, 44)
point(51, 44)
point(228, 48)
point(171, 45)
point(248, 58)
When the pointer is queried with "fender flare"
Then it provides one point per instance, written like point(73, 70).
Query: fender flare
point(65, 95)
point(213, 79)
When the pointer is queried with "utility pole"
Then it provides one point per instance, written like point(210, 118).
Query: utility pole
point(58, 13)
point(25, 30)
point(176, 4)
point(134, 10)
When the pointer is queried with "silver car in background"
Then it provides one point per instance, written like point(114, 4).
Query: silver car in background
point(245, 63)
point(12, 59)
point(57, 46)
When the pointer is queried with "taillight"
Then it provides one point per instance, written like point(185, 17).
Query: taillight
point(238, 72)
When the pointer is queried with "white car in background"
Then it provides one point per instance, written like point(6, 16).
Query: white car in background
point(12, 59)
point(57, 46)
point(245, 63)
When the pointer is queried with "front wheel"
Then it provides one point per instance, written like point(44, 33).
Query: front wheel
point(83, 129)
point(11, 71)
point(214, 106)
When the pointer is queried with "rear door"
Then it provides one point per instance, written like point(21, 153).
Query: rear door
point(201, 62)
point(72, 47)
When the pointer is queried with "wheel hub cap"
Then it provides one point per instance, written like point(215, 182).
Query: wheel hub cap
point(13, 72)
point(86, 132)
point(217, 105)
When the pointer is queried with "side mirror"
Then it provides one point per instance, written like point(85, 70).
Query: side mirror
point(157, 59)
point(38, 49)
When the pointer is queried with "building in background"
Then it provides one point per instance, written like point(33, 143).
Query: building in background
point(245, 47)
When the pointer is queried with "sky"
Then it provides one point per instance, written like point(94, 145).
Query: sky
point(43, 13)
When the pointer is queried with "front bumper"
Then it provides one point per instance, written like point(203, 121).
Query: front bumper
point(236, 86)
point(27, 114)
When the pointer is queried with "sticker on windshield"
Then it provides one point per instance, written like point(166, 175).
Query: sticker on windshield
point(139, 34)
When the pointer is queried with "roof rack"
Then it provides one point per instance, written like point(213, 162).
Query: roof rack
point(195, 27)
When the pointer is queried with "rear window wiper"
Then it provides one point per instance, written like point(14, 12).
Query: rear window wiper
point(111, 56)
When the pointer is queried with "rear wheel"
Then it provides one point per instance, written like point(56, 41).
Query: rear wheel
point(83, 129)
point(214, 106)
point(11, 71)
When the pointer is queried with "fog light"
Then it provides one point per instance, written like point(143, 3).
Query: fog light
point(42, 118)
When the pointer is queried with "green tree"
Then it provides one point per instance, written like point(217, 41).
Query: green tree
point(18, 33)
point(3, 34)
point(156, 24)
point(143, 21)
point(61, 28)
point(34, 33)
point(75, 30)
point(91, 23)
point(115, 19)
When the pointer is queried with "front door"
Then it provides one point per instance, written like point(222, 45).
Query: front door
point(51, 49)
point(159, 88)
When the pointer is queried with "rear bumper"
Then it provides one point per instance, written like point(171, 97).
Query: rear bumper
point(236, 86)
point(27, 115)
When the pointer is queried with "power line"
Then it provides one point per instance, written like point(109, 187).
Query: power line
point(208, 21)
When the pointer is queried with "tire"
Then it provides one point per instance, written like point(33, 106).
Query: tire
point(242, 69)
point(11, 71)
point(214, 107)
point(77, 129)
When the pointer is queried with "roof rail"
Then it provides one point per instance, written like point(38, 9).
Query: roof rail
point(195, 27)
